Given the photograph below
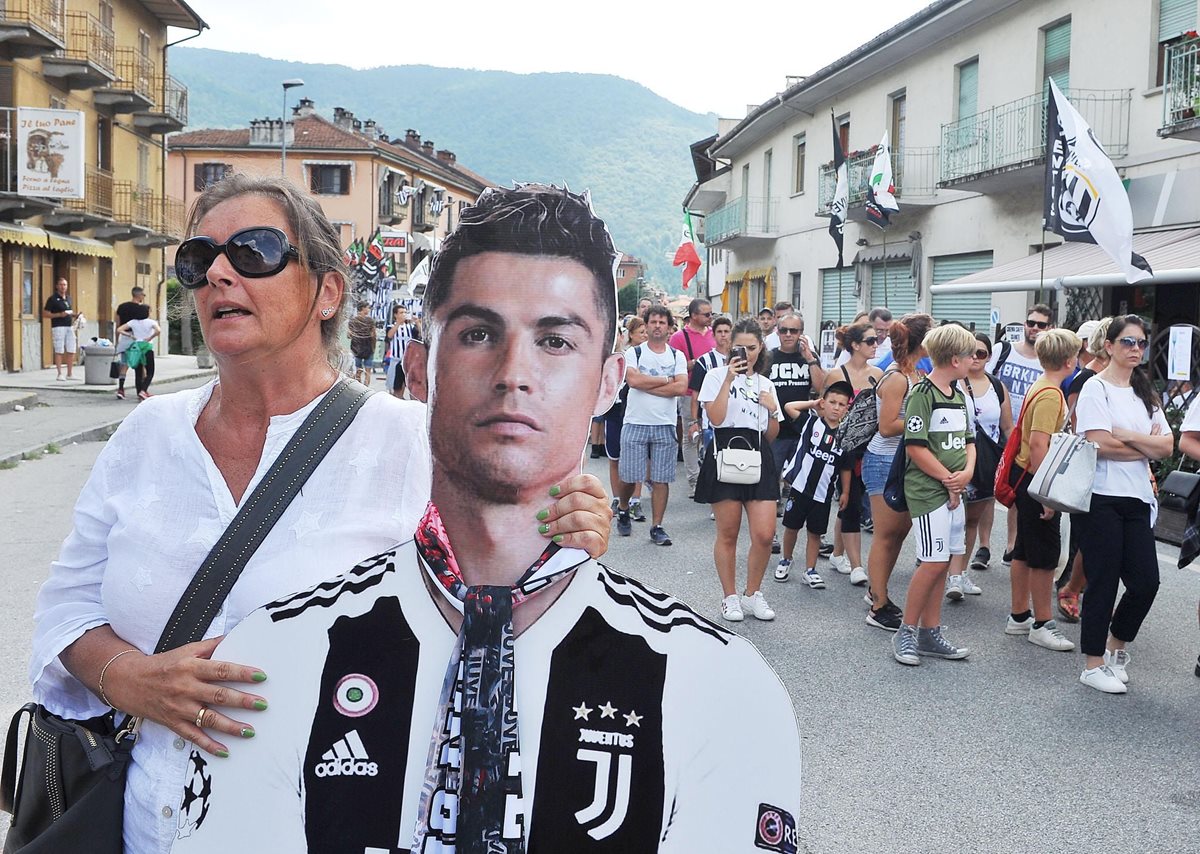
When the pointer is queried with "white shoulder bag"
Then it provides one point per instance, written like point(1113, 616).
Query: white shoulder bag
point(739, 465)
point(1064, 479)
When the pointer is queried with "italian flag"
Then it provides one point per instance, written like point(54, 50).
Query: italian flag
point(686, 255)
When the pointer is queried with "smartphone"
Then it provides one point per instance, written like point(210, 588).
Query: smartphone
point(738, 353)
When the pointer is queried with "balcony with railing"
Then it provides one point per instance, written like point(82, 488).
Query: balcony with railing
point(89, 58)
point(94, 209)
point(1181, 91)
point(390, 212)
point(133, 88)
point(31, 28)
point(1004, 148)
point(745, 219)
point(166, 216)
point(169, 112)
point(914, 173)
point(131, 215)
point(15, 205)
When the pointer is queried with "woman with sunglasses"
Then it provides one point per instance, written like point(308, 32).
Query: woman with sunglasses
point(265, 269)
point(860, 342)
point(988, 399)
point(1120, 411)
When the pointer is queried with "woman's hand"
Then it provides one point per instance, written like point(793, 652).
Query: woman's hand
point(179, 688)
point(581, 517)
point(767, 401)
point(736, 366)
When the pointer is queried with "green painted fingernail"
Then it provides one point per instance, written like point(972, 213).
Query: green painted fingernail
point(223, 753)
point(260, 705)
point(543, 528)
point(543, 515)
point(555, 490)
point(247, 732)
point(558, 538)
point(258, 676)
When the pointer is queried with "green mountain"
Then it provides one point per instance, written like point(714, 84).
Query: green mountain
point(626, 144)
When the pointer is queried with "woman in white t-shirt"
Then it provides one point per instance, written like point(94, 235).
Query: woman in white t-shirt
point(139, 353)
point(744, 410)
point(1119, 411)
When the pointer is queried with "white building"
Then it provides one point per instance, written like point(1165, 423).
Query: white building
point(960, 89)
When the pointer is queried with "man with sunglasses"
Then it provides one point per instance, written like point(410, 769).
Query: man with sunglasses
point(693, 340)
point(796, 373)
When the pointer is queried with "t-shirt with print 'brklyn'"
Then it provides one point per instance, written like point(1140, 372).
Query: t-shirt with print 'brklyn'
point(939, 422)
point(644, 408)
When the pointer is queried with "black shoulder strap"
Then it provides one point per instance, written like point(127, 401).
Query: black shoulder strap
point(1005, 352)
point(637, 355)
point(687, 342)
point(997, 387)
point(220, 570)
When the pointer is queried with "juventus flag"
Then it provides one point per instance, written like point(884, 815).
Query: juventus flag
point(841, 196)
point(881, 189)
point(1085, 200)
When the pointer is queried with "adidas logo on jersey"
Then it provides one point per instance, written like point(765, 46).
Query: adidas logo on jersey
point(347, 758)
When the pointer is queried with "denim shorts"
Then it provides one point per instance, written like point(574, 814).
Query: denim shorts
point(875, 469)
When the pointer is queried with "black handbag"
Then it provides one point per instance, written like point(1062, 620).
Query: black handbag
point(114, 369)
point(71, 791)
point(893, 489)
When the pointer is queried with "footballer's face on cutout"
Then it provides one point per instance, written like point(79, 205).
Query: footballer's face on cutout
point(519, 362)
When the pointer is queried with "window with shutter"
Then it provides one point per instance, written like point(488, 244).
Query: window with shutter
point(1056, 55)
point(968, 89)
point(1175, 17)
point(967, 309)
point(838, 302)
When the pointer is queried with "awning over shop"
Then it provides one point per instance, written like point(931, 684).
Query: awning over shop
point(1173, 255)
point(39, 238)
point(766, 275)
point(901, 250)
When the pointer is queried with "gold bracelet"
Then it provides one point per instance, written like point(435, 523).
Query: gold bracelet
point(100, 682)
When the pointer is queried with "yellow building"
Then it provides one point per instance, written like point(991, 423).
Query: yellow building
point(406, 187)
point(108, 60)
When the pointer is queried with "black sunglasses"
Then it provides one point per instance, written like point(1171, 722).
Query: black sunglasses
point(1040, 324)
point(1131, 342)
point(982, 354)
point(255, 253)
point(871, 342)
point(789, 330)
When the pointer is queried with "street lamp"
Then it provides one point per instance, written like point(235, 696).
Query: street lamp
point(287, 84)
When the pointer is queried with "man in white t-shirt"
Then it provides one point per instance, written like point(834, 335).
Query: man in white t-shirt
point(1019, 370)
point(880, 318)
point(656, 374)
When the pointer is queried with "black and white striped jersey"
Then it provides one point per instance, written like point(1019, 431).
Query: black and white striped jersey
point(632, 713)
point(816, 461)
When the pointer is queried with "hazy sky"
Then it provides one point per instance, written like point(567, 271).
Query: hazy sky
point(704, 55)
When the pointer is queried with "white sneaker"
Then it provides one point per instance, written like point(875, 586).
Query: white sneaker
point(841, 563)
point(783, 569)
point(954, 589)
point(731, 608)
point(858, 576)
point(1049, 637)
point(813, 578)
point(970, 587)
point(757, 605)
point(1013, 627)
point(1102, 679)
point(1117, 660)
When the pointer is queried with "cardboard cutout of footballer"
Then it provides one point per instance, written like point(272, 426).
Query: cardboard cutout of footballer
point(473, 690)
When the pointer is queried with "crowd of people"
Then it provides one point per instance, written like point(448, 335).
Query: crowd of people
point(903, 434)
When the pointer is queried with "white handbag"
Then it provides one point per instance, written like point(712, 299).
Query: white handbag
point(1064, 479)
point(739, 465)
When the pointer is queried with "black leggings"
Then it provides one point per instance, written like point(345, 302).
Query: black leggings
point(852, 516)
point(1118, 546)
point(144, 373)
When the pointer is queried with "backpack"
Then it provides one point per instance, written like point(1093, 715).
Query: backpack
point(1005, 350)
point(861, 421)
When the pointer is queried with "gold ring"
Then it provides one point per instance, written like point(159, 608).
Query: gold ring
point(200, 716)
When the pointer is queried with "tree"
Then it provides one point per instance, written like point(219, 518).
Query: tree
point(627, 299)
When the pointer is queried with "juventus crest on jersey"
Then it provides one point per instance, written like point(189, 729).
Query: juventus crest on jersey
point(628, 701)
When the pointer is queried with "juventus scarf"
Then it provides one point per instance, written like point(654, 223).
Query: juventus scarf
point(471, 799)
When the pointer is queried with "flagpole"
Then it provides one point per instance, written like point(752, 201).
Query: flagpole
point(885, 266)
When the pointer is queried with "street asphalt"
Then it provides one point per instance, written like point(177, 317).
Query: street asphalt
point(1005, 752)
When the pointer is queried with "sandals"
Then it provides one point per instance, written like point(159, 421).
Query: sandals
point(1068, 606)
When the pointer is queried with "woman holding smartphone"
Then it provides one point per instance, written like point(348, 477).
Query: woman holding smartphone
point(744, 411)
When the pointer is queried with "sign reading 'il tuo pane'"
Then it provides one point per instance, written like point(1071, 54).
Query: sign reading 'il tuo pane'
point(50, 152)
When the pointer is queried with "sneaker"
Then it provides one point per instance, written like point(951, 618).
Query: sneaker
point(616, 502)
point(826, 548)
point(904, 645)
point(731, 608)
point(1013, 627)
point(635, 511)
point(658, 536)
point(1102, 679)
point(868, 526)
point(867, 597)
point(783, 570)
point(982, 559)
point(1049, 637)
point(970, 587)
point(1117, 660)
point(841, 563)
point(1006, 558)
point(858, 576)
point(888, 620)
point(813, 578)
point(931, 642)
point(954, 588)
point(624, 526)
point(757, 605)
point(143, 395)
point(775, 547)
point(120, 394)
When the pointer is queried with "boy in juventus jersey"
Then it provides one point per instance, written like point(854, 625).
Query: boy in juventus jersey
point(451, 696)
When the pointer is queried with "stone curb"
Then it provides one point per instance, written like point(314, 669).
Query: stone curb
point(98, 433)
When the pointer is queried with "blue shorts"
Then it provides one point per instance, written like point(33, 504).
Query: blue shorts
point(363, 363)
point(875, 468)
